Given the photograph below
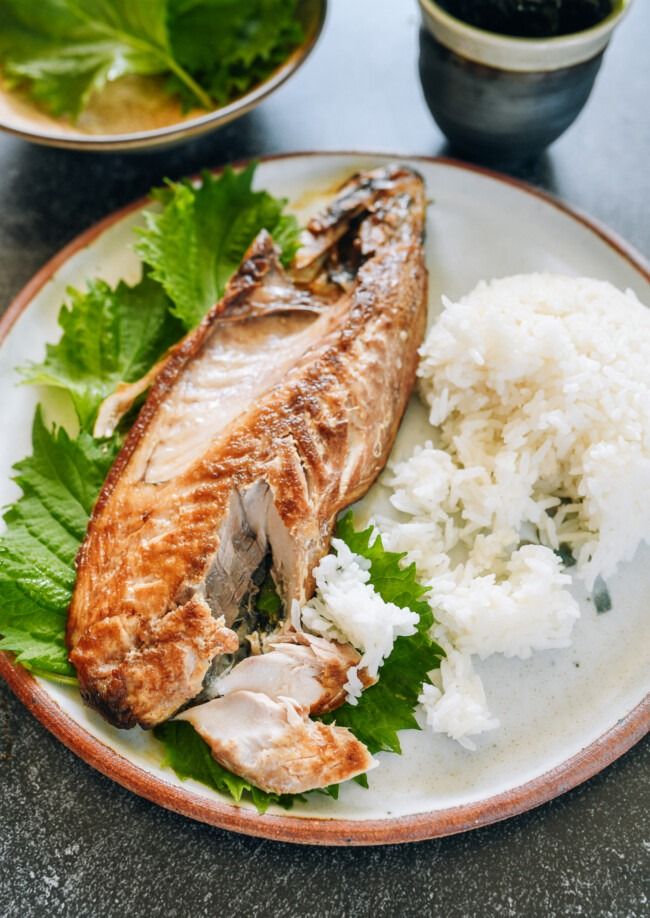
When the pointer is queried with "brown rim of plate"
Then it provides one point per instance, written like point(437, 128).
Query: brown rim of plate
point(393, 830)
point(192, 127)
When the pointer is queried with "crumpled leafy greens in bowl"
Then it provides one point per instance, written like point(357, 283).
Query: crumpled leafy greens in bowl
point(204, 52)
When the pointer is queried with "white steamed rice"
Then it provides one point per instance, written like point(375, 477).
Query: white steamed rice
point(455, 702)
point(539, 388)
point(347, 608)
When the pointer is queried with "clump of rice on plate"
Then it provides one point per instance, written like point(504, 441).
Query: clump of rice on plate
point(538, 389)
point(346, 607)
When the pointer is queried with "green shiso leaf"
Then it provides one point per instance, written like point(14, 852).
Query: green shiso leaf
point(63, 51)
point(229, 45)
point(196, 242)
point(109, 336)
point(45, 527)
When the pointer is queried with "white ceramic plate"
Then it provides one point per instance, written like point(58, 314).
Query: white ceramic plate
point(564, 714)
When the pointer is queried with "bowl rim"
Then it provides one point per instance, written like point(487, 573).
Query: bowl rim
point(518, 53)
point(192, 127)
point(224, 814)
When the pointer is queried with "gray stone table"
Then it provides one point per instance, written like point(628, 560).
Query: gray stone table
point(72, 842)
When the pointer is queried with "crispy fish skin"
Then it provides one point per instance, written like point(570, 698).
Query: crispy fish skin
point(178, 524)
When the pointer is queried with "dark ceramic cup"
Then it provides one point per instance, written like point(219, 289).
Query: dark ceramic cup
point(503, 99)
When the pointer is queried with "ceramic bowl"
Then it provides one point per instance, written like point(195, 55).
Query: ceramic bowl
point(501, 98)
point(133, 113)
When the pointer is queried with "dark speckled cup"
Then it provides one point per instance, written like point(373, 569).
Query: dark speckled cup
point(504, 99)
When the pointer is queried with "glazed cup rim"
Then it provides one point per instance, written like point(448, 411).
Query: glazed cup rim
point(509, 52)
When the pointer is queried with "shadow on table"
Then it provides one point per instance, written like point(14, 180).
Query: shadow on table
point(539, 171)
point(72, 188)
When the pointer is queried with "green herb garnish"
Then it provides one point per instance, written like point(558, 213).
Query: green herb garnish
point(45, 527)
point(602, 599)
point(207, 52)
point(196, 242)
point(109, 336)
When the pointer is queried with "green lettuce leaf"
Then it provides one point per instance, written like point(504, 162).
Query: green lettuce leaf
point(109, 336)
point(59, 483)
point(63, 51)
point(196, 241)
point(387, 707)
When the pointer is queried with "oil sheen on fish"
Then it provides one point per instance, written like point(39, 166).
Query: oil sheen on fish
point(260, 426)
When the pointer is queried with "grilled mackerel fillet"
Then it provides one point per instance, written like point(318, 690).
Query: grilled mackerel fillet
point(263, 423)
